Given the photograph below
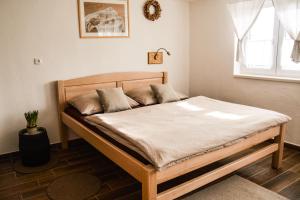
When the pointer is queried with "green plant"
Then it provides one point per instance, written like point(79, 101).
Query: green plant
point(31, 118)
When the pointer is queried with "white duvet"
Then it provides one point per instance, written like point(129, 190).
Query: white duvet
point(166, 134)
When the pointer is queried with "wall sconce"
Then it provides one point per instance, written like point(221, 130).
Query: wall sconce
point(157, 57)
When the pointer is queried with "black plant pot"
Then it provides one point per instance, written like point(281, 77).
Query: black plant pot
point(34, 149)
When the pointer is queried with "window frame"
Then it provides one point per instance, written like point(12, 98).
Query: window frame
point(276, 69)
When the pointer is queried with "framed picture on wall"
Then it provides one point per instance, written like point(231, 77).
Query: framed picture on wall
point(103, 18)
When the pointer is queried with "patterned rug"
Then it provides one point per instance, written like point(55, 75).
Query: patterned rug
point(74, 187)
point(234, 188)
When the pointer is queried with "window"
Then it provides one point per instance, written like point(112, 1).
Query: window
point(268, 48)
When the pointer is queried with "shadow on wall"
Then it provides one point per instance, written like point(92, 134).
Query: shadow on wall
point(49, 115)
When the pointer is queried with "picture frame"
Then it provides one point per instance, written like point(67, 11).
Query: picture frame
point(103, 18)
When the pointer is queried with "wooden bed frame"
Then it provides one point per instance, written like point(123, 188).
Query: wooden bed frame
point(146, 174)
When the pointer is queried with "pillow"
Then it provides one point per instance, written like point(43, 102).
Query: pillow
point(87, 104)
point(164, 93)
point(132, 103)
point(113, 100)
point(182, 96)
point(143, 95)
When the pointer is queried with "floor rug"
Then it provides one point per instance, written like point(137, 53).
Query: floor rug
point(234, 188)
point(74, 187)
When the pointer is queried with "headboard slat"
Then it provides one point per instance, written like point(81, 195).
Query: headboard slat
point(74, 91)
point(113, 77)
point(129, 85)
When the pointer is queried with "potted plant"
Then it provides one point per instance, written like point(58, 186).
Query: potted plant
point(34, 143)
point(31, 118)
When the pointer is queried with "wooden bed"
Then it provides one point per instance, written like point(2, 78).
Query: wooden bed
point(146, 174)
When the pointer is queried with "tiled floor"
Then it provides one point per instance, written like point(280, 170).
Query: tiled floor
point(120, 186)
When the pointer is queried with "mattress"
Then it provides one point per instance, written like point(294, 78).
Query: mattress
point(71, 111)
point(167, 134)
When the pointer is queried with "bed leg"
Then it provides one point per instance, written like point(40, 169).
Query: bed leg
point(149, 185)
point(278, 155)
point(64, 136)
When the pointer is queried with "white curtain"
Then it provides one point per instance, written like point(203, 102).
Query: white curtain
point(288, 12)
point(243, 14)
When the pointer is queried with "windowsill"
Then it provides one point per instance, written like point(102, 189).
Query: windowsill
point(268, 78)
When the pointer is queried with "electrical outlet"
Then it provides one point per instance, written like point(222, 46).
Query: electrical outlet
point(37, 61)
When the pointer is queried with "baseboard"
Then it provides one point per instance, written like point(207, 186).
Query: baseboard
point(292, 146)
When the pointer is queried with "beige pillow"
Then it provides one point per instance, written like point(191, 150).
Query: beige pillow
point(87, 104)
point(132, 103)
point(143, 95)
point(164, 93)
point(182, 96)
point(113, 100)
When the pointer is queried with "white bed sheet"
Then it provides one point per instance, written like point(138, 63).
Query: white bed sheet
point(166, 134)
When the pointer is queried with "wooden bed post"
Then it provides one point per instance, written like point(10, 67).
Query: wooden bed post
point(149, 185)
point(64, 136)
point(61, 106)
point(165, 77)
point(278, 155)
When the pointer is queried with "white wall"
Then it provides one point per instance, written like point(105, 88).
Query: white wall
point(211, 70)
point(48, 29)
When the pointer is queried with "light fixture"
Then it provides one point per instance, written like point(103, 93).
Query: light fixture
point(168, 52)
point(157, 56)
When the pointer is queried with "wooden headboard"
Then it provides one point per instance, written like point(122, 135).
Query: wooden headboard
point(68, 89)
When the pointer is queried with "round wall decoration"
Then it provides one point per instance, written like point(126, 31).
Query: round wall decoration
point(149, 14)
